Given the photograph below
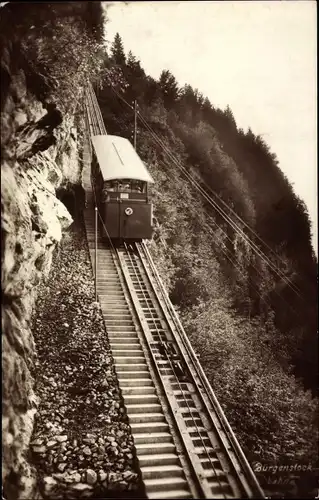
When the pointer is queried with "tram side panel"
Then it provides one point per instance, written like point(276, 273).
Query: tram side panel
point(111, 220)
point(135, 220)
point(129, 220)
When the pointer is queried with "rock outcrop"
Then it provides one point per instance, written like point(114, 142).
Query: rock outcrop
point(38, 157)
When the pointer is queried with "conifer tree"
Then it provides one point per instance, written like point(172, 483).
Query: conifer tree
point(229, 114)
point(134, 66)
point(169, 88)
point(131, 59)
point(117, 51)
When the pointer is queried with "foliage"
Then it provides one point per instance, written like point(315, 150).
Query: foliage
point(62, 42)
point(169, 88)
point(117, 51)
point(242, 176)
point(254, 333)
point(242, 368)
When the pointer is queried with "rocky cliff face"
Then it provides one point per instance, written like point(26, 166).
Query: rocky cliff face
point(39, 156)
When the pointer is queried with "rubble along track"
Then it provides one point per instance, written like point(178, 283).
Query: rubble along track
point(184, 444)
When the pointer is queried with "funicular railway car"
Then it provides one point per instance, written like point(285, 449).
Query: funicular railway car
point(122, 186)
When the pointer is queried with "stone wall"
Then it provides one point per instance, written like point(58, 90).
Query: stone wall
point(38, 156)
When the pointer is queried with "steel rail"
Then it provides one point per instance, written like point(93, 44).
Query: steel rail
point(257, 490)
point(184, 397)
point(202, 482)
point(119, 265)
point(224, 453)
point(203, 488)
point(161, 336)
point(97, 125)
point(97, 111)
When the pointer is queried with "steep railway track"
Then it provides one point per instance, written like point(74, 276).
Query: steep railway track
point(184, 444)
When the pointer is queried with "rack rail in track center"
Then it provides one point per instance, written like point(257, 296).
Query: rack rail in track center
point(218, 464)
point(210, 450)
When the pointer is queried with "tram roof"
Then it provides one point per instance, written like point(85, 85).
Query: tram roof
point(118, 159)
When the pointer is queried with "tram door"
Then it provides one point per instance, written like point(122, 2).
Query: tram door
point(122, 220)
point(124, 189)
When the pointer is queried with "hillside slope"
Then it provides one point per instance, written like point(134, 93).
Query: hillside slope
point(41, 88)
point(237, 261)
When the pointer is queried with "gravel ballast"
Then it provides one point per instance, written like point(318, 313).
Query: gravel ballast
point(82, 445)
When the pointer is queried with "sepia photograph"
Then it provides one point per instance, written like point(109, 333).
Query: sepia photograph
point(159, 250)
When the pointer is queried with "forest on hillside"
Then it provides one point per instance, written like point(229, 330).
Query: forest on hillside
point(57, 44)
point(233, 245)
point(232, 241)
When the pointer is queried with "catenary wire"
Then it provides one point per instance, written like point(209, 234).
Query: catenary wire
point(159, 335)
point(256, 249)
point(208, 198)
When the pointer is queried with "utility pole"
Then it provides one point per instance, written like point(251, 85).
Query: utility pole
point(135, 123)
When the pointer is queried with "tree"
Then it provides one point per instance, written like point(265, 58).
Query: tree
point(136, 78)
point(67, 64)
point(134, 67)
point(206, 109)
point(117, 51)
point(240, 168)
point(229, 114)
point(95, 19)
point(152, 91)
point(190, 105)
point(169, 88)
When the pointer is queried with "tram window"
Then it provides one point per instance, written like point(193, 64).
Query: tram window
point(138, 186)
point(124, 185)
point(110, 186)
point(105, 195)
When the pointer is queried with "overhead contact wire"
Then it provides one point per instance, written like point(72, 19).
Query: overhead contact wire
point(215, 205)
point(161, 341)
point(259, 272)
point(257, 250)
